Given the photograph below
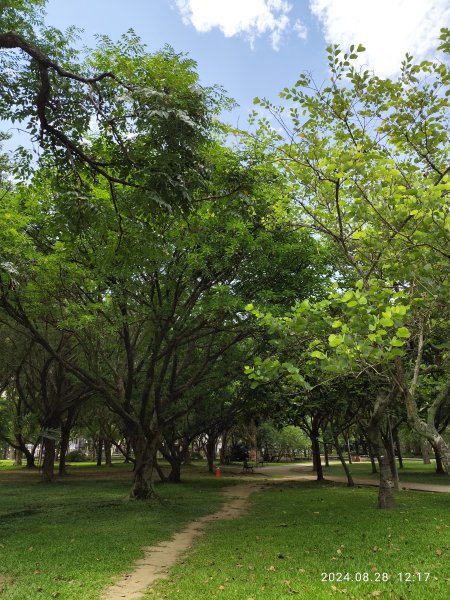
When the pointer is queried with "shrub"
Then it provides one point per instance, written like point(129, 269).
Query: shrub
point(76, 456)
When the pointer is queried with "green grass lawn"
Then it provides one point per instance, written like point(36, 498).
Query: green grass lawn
point(68, 539)
point(414, 471)
point(297, 535)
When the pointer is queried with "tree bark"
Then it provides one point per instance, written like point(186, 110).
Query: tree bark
point(437, 456)
point(224, 449)
point(211, 451)
point(399, 448)
point(48, 464)
point(326, 453)
point(426, 429)
point(99, 452)
point(64, 446)
point(316, 454)
point(347, 443)
point(18, 458)
point(145, 448)
point(108, 457)
point(350, 482)
point(160, 472)
point(425, 451)
point(30, 458)
point(385, 490)
point(389, 444)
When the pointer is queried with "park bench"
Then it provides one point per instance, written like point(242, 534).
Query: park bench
point(247, 466)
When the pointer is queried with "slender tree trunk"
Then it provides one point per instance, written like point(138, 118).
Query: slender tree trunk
point(160, 472)
point(399, 448)
point(337, 445)
point(326, 453)
point(437, 456)
point(48, 464)
point(108, 457)
point(385, 490)
point(347, 443)
point(370, 451)
point(316, 453)
point(314, 458)
point(389, 443)
point(424, 446)
point(372, 458)
point(99, 452)
point(66, 428)
point(211, 451)
point(392, 463)
point(63, 453)
point(224, 449)
point(127, 451)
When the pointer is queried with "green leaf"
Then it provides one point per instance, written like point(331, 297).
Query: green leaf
point(397, 343)
point(318, 354)
point(403, 332)
point(347, 296)
point(335, 340)
point(386, 322)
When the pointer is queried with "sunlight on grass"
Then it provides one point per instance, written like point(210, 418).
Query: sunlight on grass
point(72, 537)
point(295, 534)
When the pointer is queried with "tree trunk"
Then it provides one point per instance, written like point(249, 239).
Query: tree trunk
point(48, 464)
point(399, 448)
point(347, 443)
point(99, 452)
point(316, 454)
point(145, 448)
point(64, 446)
point(30, 458)
point(127, 451)
point(426, 429)
point(108, 457)
point(224, 459)
point(18, 458)
point(389, 444)
point(325, 451)
point(425, 451)
point(175, 471)
point(211, 451)
point(437, 456)
point(350, 481)
point(160, 472)
point(385, 490)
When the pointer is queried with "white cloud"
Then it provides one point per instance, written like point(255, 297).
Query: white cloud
point(300, 30)
point(251, 18)
point(387, 28)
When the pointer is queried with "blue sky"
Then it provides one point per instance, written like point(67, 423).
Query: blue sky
point(257, 47)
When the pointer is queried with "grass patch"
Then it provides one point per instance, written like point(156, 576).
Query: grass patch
point(70, 538)
point(293, 534)
point(414, 471)
point(8, 465)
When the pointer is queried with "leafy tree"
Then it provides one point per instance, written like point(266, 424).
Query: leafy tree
point(367, 160)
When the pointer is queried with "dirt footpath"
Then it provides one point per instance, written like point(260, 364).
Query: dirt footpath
point(159, 559)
